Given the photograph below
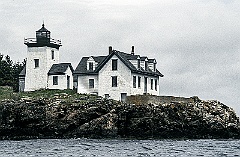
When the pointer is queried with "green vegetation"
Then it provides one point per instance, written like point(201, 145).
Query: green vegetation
point(6, 92)
point(67, 95)
point(9, 72)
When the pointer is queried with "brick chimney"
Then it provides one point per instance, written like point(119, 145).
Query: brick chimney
point(132, 52)
point(110, 49)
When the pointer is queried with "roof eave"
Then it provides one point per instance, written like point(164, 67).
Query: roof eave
point(85, 73)
point(147, 73)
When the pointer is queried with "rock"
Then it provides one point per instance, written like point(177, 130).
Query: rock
point(103, 118)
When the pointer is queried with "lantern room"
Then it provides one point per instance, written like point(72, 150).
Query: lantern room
point(43, 35)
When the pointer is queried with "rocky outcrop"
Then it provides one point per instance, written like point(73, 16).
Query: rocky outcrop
point(102, 118)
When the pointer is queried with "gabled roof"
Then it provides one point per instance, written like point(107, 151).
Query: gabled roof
point(122, 56)
point(82, 66)
point(102, 60)
point(60, 69)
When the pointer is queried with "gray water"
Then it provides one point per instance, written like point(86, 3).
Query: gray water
point(93, 147)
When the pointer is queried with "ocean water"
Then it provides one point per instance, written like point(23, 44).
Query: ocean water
point(119, 147)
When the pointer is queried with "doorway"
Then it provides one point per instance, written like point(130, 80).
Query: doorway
point(68, 82)
point(145, 84)
point(123, 97)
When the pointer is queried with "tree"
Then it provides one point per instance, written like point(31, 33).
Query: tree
point(9, 72)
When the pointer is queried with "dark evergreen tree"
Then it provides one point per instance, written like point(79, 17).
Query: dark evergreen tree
point(9, 72)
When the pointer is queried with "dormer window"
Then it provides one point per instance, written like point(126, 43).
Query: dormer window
point(138, 63)
point(90, 66)
point(146, 65)
point(154, 67)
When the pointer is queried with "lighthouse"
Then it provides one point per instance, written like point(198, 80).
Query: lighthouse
point(42, 53)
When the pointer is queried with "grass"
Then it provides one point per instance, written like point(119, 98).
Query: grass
point(67, 95)
point(6, 92)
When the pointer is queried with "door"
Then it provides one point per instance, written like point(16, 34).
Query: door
point(123, 97)
point(68, 82)
point(145, 84)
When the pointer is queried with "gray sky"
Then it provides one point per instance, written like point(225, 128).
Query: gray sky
point(196, 42)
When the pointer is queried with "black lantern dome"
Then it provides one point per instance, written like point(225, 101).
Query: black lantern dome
point(43, 35)
point(43, 38)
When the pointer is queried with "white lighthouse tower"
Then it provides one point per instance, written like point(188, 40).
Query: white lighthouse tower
point(42, 53)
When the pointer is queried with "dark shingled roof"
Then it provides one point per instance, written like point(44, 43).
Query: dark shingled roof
point(102, 60)
point(82, 66)
point(23, 72)
point(60, 69)
point(151, 60)
point(43, 29)
point(143, 58)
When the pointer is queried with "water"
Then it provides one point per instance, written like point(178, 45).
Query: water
point(93, 147)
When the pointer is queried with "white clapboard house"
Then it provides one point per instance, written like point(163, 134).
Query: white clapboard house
point(117, 75)
point(43, 70)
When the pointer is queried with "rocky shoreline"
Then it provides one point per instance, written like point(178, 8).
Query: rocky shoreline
point(102, 118)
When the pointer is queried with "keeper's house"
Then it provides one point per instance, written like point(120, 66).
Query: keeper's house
point(117, 75)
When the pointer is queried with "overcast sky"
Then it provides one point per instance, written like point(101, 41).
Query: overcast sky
point(196, 42)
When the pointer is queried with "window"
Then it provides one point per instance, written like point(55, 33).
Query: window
point(90, 66)
point(55, 80)
point(139, 82)
point(146, 65)
point(68, 82)
point(36, 62)
point(134, 81)
point(107, 96)
point(151, 83)
point(52, 54)
point(91, 83)
point(138, 64)
point(114, 81)
point(156, 84)
point(154, 67)
point(114, 64)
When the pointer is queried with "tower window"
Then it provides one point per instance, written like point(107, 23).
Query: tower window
point(114, 81)
point(36, 63)
point(52, 54)
point(134, 81)
point(55, 80)
point(91, 83)
point(114, 64)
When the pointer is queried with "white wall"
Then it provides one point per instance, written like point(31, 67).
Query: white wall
point(83, 84)
point(103, 82)
point(62, 80)
point(137, 90)
point(123, 77)
point(36, 78)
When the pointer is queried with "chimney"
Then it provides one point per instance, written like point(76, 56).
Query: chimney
point(132, 52)
point(110, 49)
